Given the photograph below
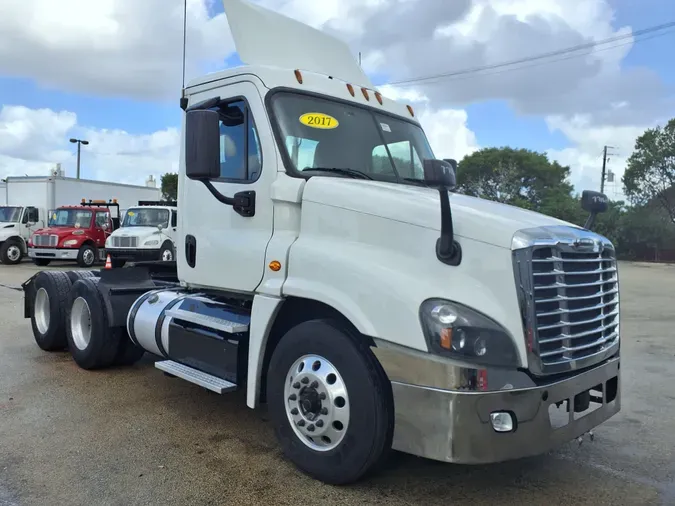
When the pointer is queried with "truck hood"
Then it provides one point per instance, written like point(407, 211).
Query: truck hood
point(141, 232)
point(473, 218)
point(60, 231)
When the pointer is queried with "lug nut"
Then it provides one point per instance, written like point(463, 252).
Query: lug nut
point(304, 380)
point(319, 423)
point(296, 385)
point(324, 411)
point(293, 397)
point(315, 384)
point(294, 411)
point(322, 396)
point(301, 423)
point(310, 428)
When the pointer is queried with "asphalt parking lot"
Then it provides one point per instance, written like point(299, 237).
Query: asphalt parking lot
point(134, 436)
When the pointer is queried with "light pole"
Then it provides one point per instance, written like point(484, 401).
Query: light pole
point(79, 143)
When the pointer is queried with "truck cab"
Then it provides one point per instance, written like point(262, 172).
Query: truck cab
point(75, 233)
point(326, 266)
point(17, 224)
point(147, 233)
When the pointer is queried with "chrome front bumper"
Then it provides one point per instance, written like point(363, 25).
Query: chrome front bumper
point(53, 253)
point(454, 426)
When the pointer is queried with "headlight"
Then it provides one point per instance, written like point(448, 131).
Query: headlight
point(458, 332)
point(151, 243)
point(70, 242)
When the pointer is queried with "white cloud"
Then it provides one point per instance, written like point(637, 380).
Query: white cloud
point(33, 141)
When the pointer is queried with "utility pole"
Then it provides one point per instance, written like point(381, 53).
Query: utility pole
point(604, 168)
point(79, 143)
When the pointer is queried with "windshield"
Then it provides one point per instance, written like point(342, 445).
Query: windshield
point(10, 214)
point(70, 218)
point(144, 217)
point(320, 133)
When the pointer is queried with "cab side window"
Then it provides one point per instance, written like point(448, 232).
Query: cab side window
point(240, 154)
point(174, 219)
point(102, 219)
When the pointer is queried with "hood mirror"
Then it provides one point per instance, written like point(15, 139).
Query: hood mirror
point(595, 203)
point(441, 174)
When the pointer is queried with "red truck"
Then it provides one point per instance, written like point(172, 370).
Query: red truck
point(75, 233)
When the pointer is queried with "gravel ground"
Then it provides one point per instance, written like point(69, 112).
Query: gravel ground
point(134, 436)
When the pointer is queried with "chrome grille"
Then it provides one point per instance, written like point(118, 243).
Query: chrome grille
point(46, 240)
point(123, 242)
point(570, 303)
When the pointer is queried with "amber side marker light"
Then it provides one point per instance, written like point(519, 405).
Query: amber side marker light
point(365, 94)
point(378, 96)
point(275, 265)
point(298, 76)
point(351, 90)
point(410, 110)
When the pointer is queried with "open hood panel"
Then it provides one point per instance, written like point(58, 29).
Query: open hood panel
point(265, 37)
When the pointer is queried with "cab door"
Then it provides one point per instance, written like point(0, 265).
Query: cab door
point(217, 246)
point(102, 228)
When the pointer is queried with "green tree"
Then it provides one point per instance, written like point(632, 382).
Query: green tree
point(650, 174)
point(170, 186)
point(518, 177)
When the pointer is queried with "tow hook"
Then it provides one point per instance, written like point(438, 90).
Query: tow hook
point(591, 435)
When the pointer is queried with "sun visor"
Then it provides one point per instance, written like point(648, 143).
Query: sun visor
point(265, 37)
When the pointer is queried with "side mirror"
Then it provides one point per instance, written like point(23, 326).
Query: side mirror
point(202, 145)
point(439, 173)
point(452, 162)
point(595, 203)
point(160, 227)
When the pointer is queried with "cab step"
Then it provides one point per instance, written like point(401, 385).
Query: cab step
point(205, 380)
point(213, 322)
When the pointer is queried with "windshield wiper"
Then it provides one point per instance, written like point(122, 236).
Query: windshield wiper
point(350, 172)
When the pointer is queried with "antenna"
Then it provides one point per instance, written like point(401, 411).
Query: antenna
point(184, 38)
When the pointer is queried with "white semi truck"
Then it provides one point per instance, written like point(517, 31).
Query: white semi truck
point(369, 305)
point(148, 232)
point(29, 200)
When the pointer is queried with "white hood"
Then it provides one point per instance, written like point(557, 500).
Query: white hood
point(140, 232)
point(473, 218)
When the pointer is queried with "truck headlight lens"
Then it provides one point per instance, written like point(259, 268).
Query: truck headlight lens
point(70, 242)
point(151, 243)
point(459, 332)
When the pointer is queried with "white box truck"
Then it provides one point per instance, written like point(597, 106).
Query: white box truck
point(369, 305)
point(29, 200)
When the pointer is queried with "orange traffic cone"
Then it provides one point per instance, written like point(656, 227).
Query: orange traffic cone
point(108, 262)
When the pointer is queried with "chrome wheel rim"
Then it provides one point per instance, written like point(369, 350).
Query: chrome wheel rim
point(13, 253)
point(317, 402)
point(167, 255)
point(80, 323)
point(41, 312)
point(88, 256)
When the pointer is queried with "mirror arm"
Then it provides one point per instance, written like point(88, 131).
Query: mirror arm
point(590, 221)
point(448, 250)
point(242, 202)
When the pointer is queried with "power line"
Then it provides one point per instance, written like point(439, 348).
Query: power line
point(542, 56)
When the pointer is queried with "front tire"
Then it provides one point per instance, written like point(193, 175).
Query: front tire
point(41, 262)
point(50, 292)
point(166, 253)
point(86, 257)
point(330, 402)
point(11, 252)
point(92, 342)
point(117, 263)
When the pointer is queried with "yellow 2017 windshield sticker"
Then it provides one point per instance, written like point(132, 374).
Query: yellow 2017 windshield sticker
point(319, 120)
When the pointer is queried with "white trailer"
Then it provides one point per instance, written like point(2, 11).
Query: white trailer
point(27, 201)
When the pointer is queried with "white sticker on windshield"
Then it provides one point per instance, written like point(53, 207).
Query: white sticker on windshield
point(385, 127)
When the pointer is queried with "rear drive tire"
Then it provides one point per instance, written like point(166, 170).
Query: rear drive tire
point(92, 343)
point(77, 275)
point(41, 262)
point(11, 252)
point(330, 402)
point(50, 292)
point(86, 257)
point(127, 353)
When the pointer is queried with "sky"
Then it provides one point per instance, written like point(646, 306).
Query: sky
point(109, 72)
